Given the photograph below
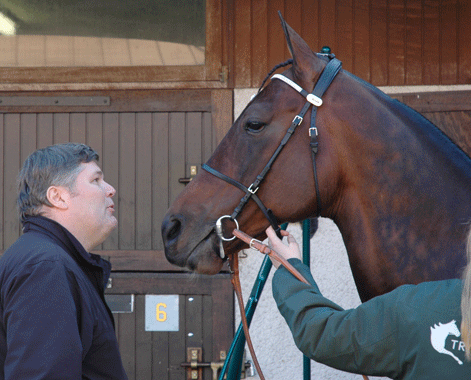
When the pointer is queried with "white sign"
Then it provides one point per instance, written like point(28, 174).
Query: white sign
point(162, 312)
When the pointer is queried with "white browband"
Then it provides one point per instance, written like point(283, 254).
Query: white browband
point(311, 98)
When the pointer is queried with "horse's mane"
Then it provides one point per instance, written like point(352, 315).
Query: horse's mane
point(419, 119)
point(405, 110)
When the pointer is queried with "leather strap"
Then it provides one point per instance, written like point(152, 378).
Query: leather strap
point(265, 249)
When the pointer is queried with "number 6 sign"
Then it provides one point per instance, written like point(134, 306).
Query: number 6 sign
point(162, 312)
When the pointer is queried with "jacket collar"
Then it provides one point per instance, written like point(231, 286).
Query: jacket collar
point(68, 241)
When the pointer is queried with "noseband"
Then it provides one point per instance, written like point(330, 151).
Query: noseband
point(313, 99)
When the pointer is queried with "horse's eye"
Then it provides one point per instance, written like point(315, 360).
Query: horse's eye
point(254, 126)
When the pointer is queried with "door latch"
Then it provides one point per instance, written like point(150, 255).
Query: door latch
point(193, 172)
point(195, 365)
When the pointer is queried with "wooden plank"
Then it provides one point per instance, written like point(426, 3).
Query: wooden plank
point(102, 76)
point(453, 125)
point(277, 49)
point(133, 260)
point(176, 153)
point(396, 42)
point(127, 334)
point(448, 42)
point(94, 131)
point(45, 130)
point(242, 44)
point(222, 114)
point(208, 338)
point(124, 101)
point(160, 355)
point(126, 186)
point(222, 310)
point(292, 15)
point(464, 42)
point(61, 128)
point(207, 148)
point(193, 320)
point(310, 23)
point(2, 180)
point(177, 346)
point(217, 44)
point(144, 217)
point(345, 33)
point(413, 42)
point(328, 23)
point(78, 128)
point(11, 228)
point(259, 61)
point(28, 136)
point(161, 174)
point(430, 46)
point(166, 283)
point(362, 40)
point(439, 102)
point(379, 43)
point(109, 160)
point(144, 343)
point(93, 135)
point(194, 141)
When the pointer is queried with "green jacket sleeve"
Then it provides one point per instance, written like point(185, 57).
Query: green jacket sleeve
point(360, 340)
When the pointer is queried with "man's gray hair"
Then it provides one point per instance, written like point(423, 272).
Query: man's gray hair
point(56, 165)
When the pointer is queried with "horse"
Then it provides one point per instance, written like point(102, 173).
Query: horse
point(438, 335)
point(396, 187)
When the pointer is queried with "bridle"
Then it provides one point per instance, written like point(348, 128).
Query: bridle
point(313, 99)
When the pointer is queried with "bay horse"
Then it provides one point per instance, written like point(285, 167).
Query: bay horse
point(397, 188)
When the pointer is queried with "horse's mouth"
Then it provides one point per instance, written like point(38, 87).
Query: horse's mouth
point(203, 257)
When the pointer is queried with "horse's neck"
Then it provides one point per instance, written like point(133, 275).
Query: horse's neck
point(403, 200)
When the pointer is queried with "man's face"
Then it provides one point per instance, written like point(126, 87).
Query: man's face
point(91, 207)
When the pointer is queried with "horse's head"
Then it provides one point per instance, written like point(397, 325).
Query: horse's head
point(288, 188)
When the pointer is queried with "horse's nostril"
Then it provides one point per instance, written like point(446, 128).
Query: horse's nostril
point(173, 229)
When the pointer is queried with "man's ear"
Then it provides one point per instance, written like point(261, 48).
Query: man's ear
point(58, 196)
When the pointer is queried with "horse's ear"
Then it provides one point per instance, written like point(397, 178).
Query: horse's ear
point(305, 63)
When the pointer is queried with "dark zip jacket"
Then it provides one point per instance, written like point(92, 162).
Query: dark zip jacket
point(54, 321)
point(409, 333)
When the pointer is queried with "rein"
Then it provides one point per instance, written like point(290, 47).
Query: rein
point(234, 264)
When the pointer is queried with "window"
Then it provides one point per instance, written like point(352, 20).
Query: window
point(109, 40)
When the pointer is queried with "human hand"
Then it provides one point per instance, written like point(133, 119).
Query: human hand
point(290, 251)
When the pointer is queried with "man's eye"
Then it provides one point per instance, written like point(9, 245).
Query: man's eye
point(254, 126)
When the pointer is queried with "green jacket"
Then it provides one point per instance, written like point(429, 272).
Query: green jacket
point(409, 333)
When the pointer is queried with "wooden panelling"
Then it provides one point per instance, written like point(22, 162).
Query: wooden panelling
point(146, 141)
point(205, 321)
point(385, 42)
point(449, 111)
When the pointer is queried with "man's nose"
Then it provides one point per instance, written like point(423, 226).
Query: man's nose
point(110, 190)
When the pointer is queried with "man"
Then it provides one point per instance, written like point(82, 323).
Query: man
point(409, 333)
point(54, 322)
